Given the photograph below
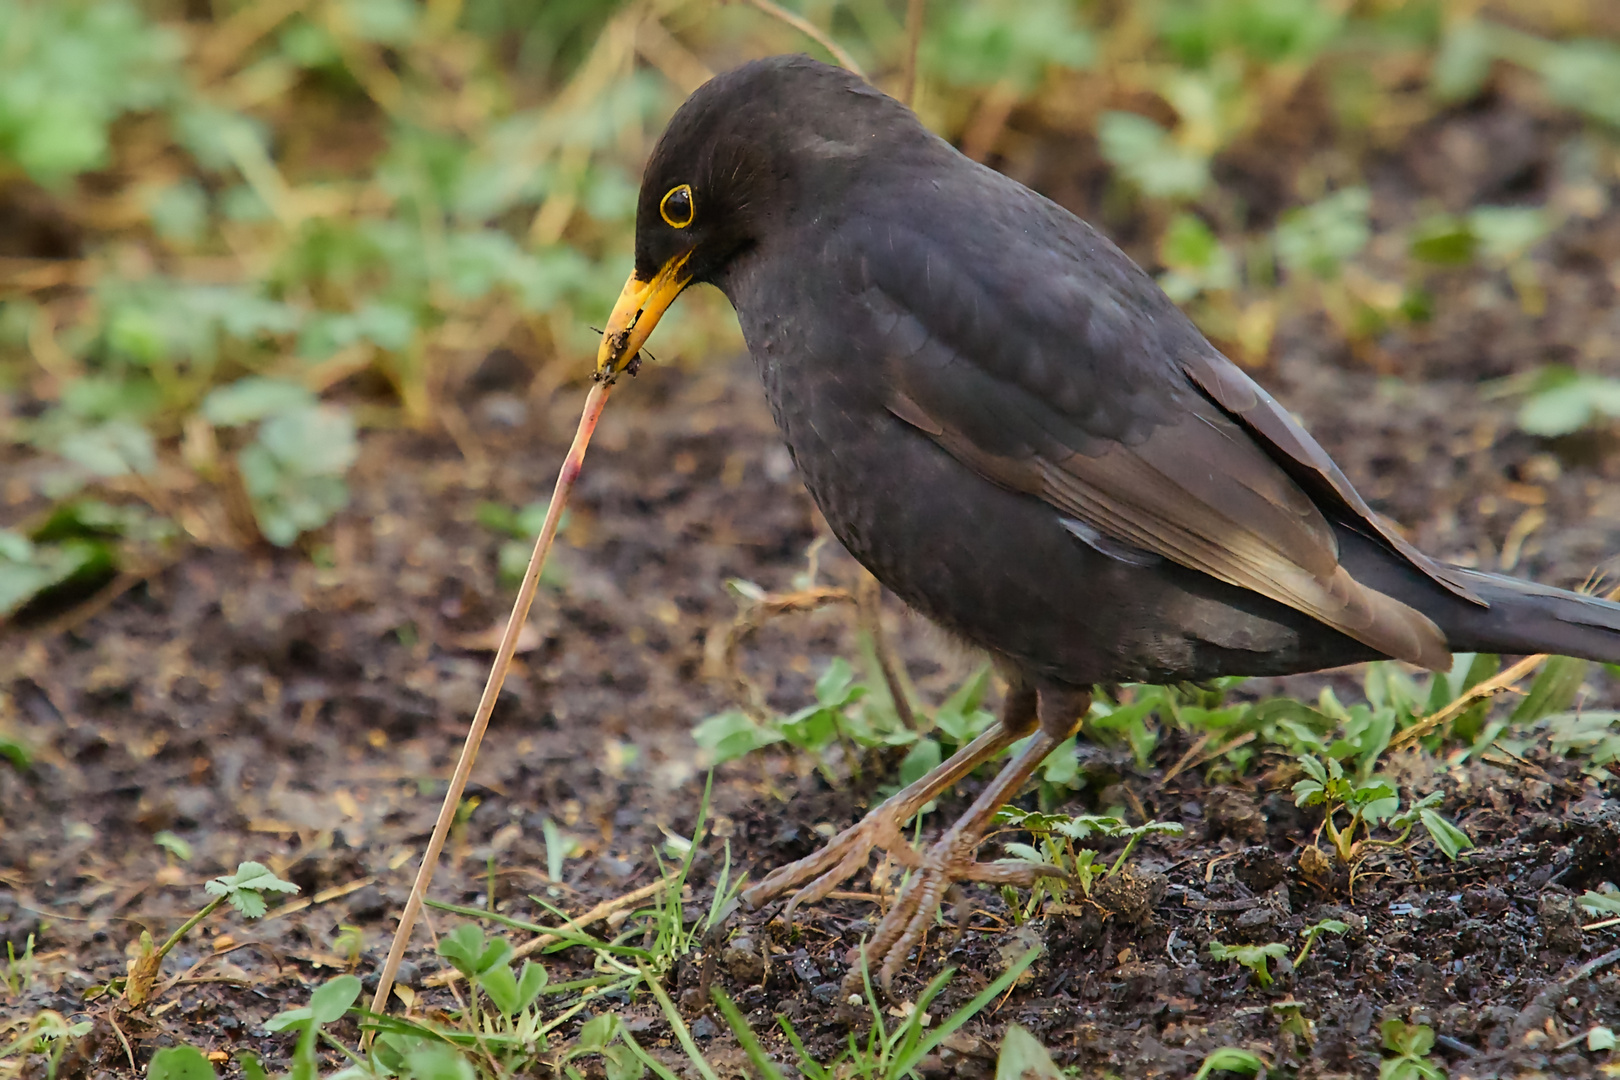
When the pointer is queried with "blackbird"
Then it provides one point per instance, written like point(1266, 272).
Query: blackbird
point(1012, 427)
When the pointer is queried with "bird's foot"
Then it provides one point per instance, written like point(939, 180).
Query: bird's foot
point(949, 861)
point(846, 853)
point(842, 858)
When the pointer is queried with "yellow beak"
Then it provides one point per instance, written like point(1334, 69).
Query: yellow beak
point(637, 311)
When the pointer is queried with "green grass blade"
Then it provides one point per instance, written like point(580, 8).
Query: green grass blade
point(745, 1034)
point(564, 936)
point(807, 1064)
point(904, 1066)
point(673, 1015)
point(659, 1069)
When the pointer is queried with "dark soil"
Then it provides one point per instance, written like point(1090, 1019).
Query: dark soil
point(265, 707)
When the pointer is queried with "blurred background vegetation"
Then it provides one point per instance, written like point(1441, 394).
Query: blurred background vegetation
point(236, 235)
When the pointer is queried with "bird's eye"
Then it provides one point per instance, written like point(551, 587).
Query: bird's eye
point(676, 207)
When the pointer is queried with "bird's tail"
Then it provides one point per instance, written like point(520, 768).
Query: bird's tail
point(1524, 617)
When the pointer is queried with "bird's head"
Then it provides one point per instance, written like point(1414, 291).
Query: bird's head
point(749, 152)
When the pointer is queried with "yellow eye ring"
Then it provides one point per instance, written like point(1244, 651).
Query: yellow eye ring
point(676, 207)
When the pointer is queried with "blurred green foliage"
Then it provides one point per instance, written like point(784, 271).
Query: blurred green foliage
point(242, 221)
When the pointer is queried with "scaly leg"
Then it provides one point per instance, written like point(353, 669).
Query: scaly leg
point(951, 858)
point(845, 854)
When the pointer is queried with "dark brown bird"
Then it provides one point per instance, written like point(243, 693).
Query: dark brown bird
point(1006, 421)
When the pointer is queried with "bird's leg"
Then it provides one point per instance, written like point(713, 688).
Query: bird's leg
point(883, 826)
point(951, 857)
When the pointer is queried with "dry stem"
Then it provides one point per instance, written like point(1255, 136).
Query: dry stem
point(811, 31)
point(566, 476)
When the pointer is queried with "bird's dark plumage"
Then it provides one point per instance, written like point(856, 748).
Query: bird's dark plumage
point(1017, 431)
point(1010, 424)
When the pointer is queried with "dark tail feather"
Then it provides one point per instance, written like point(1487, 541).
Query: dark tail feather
point(1524, 617)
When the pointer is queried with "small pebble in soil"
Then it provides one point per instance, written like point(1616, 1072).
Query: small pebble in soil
point(802, 966)
point(1490, 900)
point(742, 960)
point(1256, 921)
point(1560, 923)
point(1259, 868)
point(409, 974)
point(826, 993)
point(367, 905)
point(703, 1028)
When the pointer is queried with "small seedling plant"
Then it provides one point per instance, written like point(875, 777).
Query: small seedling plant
point(1258, 958)
point(47, 1033)
point(245, 890)
point(1369, 803)
point(1233, 1060)
point(880, 1053)
point(1410, 1045)
point(1057, 839)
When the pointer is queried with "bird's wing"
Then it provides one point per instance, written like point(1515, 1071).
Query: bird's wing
point(1059, 377)
point(1248, 403)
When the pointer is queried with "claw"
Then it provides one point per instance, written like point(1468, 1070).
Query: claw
point(950, 860)
point(846, 853)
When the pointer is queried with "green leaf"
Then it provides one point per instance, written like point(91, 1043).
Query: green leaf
point(974, 43)
point(116, 448)
point(1584, 74)
point(293, 470)
point(1507, 232)
point(1148, 158)
point(1313, 768)
point(1318, 239)
point(315, 441)
point(924, 756)
point(1408, 1040)
point(470, 954)
point(811, 728)
point(1085, 826)
point(245, 888)
point(1329, 926)
point(62, 138)
point(385, 22)
point(15, 752)
point(436, 1061)
point(180, 1063)
point(1196, 258)
point(502, 987)
point(960, 717)
point(31, 570)
point(1023, 1057)
point(1446, 836)
point(1230, 1059)
point(1554, 689)
point(1463, 62)
point(558, 848)
point(833, 688)
point(731, 734)
point(333, 998)
point(1556, 410)
point(255, 398)
point(1600, 904)
point(599, 1031)
point(288, 1019)
point(1443, 239)
point(620, 1062)
point(173, 844)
